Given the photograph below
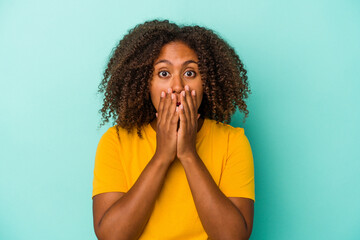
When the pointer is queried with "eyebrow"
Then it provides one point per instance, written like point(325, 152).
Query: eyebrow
point(167, 61)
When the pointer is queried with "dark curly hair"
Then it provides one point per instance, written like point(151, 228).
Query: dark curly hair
point(129, 71)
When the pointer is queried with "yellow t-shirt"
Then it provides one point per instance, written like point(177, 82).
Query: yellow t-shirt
point(225, 151)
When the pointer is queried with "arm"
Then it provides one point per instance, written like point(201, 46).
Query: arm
point(222, 217)
point(126, 217)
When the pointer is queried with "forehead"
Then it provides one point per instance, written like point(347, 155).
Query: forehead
point(177, 51)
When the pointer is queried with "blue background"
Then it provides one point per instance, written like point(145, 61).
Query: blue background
point(302, 59)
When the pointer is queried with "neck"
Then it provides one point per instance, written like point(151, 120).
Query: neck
point(200, 123)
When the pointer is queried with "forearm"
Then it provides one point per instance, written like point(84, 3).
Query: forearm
point(128, 216)
point(220, 217)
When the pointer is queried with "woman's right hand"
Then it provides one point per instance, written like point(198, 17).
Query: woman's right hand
point(166, 127)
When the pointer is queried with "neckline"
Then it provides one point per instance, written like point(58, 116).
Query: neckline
point(200, 134)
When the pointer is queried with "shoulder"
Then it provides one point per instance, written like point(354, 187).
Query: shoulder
point(115, 135)
point(230, 138)
point(116, 132)
point(113, 140)
point(223, 129)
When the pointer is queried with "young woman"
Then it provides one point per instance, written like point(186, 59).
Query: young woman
point(171, 167)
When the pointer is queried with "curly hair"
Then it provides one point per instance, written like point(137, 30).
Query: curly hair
point(126, 80)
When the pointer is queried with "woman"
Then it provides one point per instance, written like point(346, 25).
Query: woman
point(170, 168)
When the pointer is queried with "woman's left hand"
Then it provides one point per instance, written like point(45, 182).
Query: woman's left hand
point(186, 135)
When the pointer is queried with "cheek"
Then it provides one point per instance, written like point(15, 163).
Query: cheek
point(155, 99)
point(199, 99)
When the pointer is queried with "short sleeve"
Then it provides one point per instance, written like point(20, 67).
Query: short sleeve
point(237, 178)
point(108, 171)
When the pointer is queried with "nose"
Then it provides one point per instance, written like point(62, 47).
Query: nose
point(177, 84)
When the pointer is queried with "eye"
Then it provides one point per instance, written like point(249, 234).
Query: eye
point(163, 73)
point(190, 74)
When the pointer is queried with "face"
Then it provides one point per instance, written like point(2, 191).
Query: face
point(176, 67)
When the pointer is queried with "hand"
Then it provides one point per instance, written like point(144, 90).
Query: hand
point(167, 119)
point(186, 136)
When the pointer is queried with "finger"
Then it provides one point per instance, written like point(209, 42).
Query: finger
point(167, 103)
point(193, 96)
point(175, 108)
point(171, 111)
point(161, 103)
point(175, 118)
point(184, 106)
point(191, 112)
point(182, 117)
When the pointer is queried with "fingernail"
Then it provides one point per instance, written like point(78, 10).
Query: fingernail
point(177, 109)
point(162, 94)
point(156, 114)
point(172, 96)
point(169, 90)
point(181, 106)
point(187, 88)
point(193, 92)
point(183, 93)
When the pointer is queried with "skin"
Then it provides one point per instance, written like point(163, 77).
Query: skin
point(124, 215)
point(231, 217)
point(175, 74)
point(174, 69)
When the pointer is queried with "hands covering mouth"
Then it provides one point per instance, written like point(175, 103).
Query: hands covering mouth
point(177, 124)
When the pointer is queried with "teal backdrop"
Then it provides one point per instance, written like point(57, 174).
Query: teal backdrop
point(302, 59)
